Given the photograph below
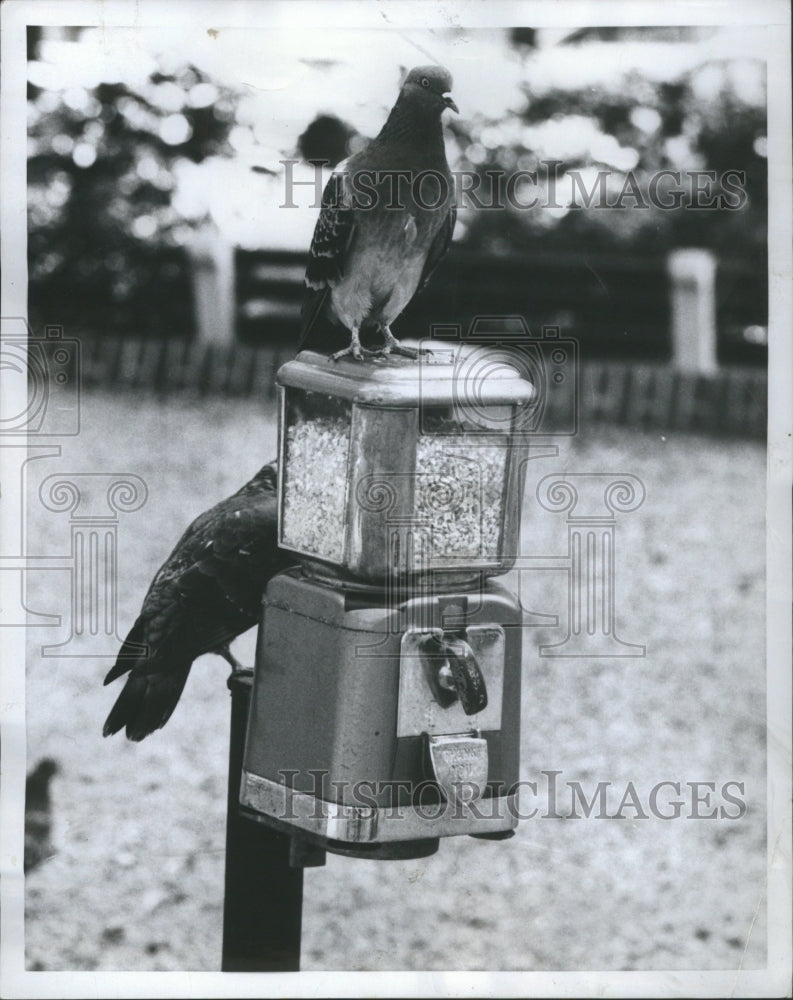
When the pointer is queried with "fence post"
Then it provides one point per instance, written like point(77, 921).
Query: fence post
point(212, 266)
point(693, 276)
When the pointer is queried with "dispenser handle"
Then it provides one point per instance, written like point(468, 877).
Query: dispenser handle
point(468, 678)
point(453, 673)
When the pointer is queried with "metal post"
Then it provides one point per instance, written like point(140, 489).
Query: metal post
point(263, 907)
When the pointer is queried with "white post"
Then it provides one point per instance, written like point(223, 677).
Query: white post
point(693, 275)
point(212, 259)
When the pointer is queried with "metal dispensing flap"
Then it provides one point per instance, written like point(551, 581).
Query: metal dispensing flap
point(394, 381)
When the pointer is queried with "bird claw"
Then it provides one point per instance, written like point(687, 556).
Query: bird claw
point(393, 346)
point(408, 352)
point(237, 669)
point(240, 671)
point(359, 353)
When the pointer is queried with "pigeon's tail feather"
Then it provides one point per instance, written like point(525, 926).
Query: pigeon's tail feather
point(147, 702)
point(319, 329)
point(133, 651)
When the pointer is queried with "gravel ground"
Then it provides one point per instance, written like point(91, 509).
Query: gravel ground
point(136, 882)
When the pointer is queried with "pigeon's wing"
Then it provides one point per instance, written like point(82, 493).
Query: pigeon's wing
point(333, 234)
point(439, 246)
point(255, 496)
point(210, 587)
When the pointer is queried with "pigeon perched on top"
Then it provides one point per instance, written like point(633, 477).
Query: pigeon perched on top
point(386, 221)
point(206, 593)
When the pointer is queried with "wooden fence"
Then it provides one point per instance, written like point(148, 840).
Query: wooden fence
point(616, 305)
point(177, 365)
point(732, 401)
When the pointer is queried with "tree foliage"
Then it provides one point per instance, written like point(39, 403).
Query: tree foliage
point(105, 242)
point(637, 125)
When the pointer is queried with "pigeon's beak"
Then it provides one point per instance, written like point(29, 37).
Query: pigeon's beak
point(450, 104)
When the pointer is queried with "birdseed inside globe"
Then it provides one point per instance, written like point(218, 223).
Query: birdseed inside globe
point(458, 493)
point(315, 486)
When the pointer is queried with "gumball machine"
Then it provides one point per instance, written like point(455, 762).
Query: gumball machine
point(385, 704)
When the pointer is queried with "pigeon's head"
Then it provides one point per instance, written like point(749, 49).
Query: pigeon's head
point(265, 479)
point(430, 85)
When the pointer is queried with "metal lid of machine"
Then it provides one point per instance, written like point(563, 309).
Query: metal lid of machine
point(467, 370)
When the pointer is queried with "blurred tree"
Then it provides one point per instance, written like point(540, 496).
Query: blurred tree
point(710, 118)
point(613, 132)
point(104, 242)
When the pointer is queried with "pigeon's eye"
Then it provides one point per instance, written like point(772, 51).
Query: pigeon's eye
point(425, 81)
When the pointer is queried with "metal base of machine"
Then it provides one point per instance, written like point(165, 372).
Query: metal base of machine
point(308, 849)
point(359, 826)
